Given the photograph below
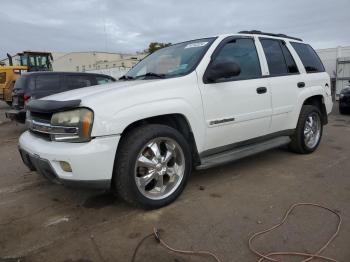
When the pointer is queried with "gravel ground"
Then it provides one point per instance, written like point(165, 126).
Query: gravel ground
point(218, 211)
point(3, 107)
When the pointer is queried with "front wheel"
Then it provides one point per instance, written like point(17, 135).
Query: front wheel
point(152, 166)
point(308, 132)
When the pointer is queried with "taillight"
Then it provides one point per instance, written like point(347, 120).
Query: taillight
point(26, 99)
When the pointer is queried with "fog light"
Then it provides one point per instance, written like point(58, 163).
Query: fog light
point(65, 166)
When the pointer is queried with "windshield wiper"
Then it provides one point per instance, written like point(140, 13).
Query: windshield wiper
point(125, 77)
point(150, 74)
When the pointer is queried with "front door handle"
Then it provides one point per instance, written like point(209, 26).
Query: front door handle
point(301, 84)
point(261, 90)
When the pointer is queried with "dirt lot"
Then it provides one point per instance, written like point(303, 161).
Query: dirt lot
point(218, 211)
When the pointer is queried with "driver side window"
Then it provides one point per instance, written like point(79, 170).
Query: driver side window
point(241, 51)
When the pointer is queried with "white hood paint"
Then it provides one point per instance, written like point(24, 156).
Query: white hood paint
point(117, 105)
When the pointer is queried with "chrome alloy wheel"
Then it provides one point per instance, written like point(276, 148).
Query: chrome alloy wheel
point(312, 130)
point(160, 168)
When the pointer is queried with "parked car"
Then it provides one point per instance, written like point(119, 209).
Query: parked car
point(344, 100)
point(36, 85)
point(195, 104)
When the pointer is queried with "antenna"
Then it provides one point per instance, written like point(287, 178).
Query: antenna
point(105, 32)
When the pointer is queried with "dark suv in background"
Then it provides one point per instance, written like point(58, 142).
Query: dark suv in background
point(36, 85)
point(344, 100)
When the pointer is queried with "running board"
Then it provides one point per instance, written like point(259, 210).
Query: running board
point(238, 153)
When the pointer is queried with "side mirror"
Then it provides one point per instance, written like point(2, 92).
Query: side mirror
point(222, 70)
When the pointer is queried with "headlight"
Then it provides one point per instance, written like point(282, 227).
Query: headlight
point(72, 126)
point(341, 95)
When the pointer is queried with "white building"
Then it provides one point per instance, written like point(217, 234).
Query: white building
point(92, 61)
point(337, 64)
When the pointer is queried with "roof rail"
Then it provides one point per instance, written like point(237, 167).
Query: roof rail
point(257, 32)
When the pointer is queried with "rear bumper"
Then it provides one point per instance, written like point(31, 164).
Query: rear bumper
point(91, 163)
point(17, 115)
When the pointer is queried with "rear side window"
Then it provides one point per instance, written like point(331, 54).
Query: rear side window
point(74, 82)
point(47, 82)
point(241, 51)
point(308, 57)
point(278, 57)
point(103, 80)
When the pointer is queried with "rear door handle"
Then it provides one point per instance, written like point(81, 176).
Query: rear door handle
point(301, 84)
point(261, 90)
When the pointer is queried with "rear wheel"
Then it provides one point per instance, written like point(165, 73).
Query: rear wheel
point(309, 130)
point(152, 166)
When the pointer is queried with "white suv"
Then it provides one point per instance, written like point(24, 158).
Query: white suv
point(196, 104)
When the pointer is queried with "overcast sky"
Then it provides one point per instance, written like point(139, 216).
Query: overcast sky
point(129, 26)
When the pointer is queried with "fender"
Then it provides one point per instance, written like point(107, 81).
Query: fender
point(306, 94)
point(117, 122)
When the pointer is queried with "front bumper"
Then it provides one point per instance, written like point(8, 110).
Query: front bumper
point(18, 115)
point(91, 163)
point(344, 101)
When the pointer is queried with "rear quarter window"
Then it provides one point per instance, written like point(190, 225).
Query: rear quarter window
point(77, 81)
point(308, 57)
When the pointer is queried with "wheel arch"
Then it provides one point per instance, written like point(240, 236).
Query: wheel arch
point(318, 101)
point(175, 120)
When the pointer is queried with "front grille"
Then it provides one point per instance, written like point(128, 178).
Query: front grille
point(40, 135)
point(40, 125)
point(41, 118)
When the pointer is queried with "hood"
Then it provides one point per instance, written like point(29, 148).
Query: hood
point(91, 91)
point(346, 90)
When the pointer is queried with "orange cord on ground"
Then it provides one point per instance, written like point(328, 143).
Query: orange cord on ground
point(309, 257)
point(306, 256)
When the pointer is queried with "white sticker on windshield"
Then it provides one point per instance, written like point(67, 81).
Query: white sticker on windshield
point(199, 44)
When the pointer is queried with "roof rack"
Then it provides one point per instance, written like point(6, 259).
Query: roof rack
point(257, 32)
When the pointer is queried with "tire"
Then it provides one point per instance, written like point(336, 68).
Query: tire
point(129, 175)
point(298, 143)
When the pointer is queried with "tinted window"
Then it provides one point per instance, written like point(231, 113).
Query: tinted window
point(291, 65)
point(30, 83)
point(48, 82)
point(20, 83)
point(74, 82)
point(308, 57)
point(274, 56)
point(242, 52)
point(103, 80)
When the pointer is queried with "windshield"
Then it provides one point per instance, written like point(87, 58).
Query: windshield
point(39, 62)
point(176, 60)
point(24, 60)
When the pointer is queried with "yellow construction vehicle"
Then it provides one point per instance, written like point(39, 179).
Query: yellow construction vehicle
point(29, 61)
